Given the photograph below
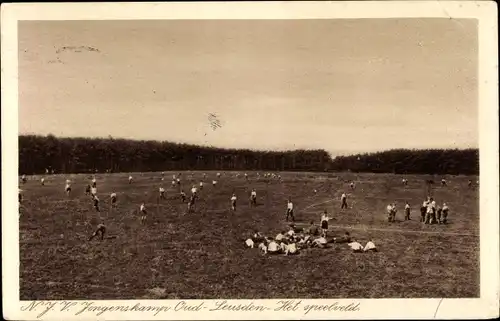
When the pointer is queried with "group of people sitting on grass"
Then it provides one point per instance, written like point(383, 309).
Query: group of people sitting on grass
point(295, 239)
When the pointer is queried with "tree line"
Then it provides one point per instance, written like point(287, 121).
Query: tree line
point(407, 161)
point(79, 155)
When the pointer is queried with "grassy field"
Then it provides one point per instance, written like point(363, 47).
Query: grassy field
point(201, 255)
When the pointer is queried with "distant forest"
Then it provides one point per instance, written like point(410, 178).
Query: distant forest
point(81, 155)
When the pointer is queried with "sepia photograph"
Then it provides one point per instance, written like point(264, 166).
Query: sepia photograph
point(249, 159)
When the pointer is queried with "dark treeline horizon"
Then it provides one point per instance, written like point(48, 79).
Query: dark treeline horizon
point(82, 155)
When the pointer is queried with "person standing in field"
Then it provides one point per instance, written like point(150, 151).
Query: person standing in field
point(201, 186)
point(96, 203)
point(191, 203)
point(289, 210)
point(352, 185)
point(113, 199)
point(405, 182)
point(218, 175)
point(183, 196)
point(194, 191)
point(178, 182)
point(423, 210)
point(253, 197)
point(94, 182)
point(93, 191)
point(407, 212)
point(343, 200)
point(87, 190)
point(324, 224)
point(390, 210)
point(443, 182)
point(130, 179)
point(246, 176)
point(439, 211)
point(100, 231)
point(162, 193)
point(233, 202)
point(173, 183)
point(143, 212)
point(214, 182)
point(23, 179)
point(433, 214)
point(68, 187)
point(445, 213)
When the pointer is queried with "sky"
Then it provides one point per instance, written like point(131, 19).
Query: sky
point(343, 85)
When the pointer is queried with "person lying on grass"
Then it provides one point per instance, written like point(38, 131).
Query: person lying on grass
point(291, 249)
point(319, 242)
point(101, 230)
point(370, 247)
point(346, 238)
point(273, 247)
point(356, 246)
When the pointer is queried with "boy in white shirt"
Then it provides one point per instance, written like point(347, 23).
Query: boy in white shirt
point(218, 175)
point(355, 246)
point(113, 199)
point(162, 193)
point(42, 181)
point(273, 247)
point(94, 182)
point(68, 187)
point(389, 212)
point(233, 202)
point(93, 191)
point(370, 246)
point(280, 236)
point(214, 182)
point(343, 199)
point(443, 182)
point(178, 182)
point(249, 243)
point(23, 179)
point(352, 185)
point(173, 183)
point(320, 242)
point(193, 190)
point(263, 248)
point(253, 198)
point(289, 210)
point(130, 179)
point(183, 196)
point(201, 186)
point(246, 176)
point(291, 249)
point(143, 212)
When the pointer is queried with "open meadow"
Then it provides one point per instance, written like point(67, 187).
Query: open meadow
point(202, 255)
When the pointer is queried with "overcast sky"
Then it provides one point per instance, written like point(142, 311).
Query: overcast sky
point(346, 86)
